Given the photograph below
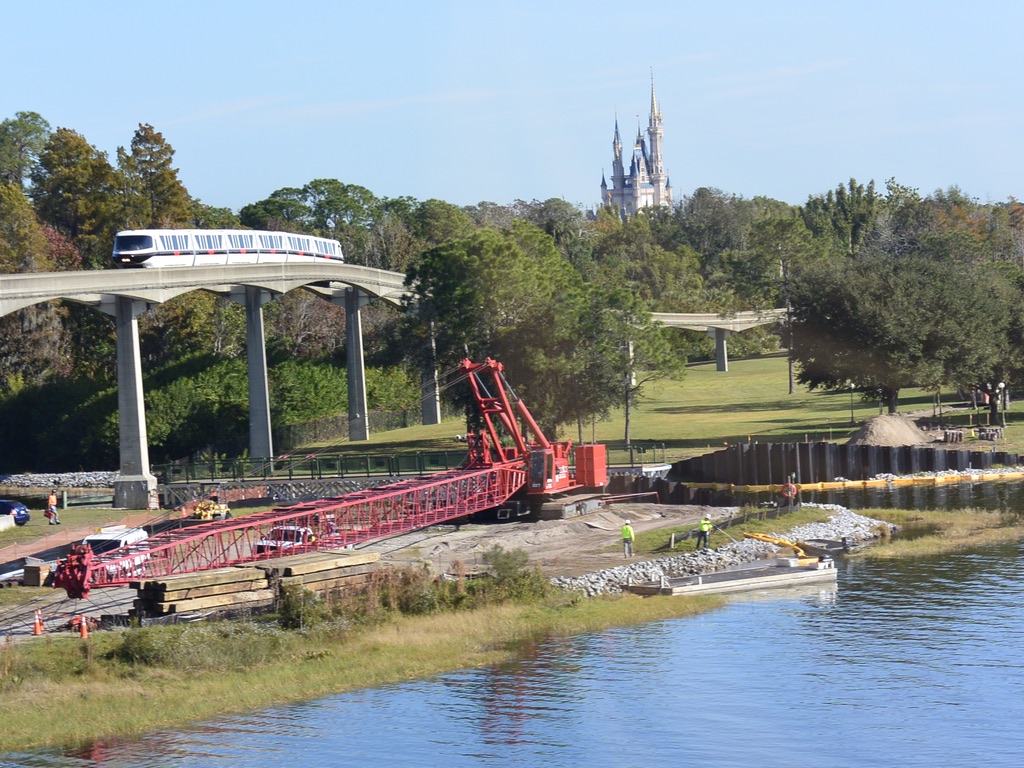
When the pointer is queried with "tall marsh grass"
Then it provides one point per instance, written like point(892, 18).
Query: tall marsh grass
point(925, 533)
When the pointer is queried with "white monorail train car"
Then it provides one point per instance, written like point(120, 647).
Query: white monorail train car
point(200, 247)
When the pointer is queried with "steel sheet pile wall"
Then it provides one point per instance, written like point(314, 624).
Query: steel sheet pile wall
point(776, 463)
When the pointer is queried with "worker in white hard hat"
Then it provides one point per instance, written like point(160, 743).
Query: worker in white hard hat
point(628, 537)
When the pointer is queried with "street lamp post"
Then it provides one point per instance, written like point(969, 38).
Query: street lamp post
point(1002, 403)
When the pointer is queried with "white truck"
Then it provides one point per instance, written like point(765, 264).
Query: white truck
point(114, 537)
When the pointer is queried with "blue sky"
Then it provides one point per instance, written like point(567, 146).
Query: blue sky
point(472, 101)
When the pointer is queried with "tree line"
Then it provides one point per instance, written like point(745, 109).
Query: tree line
point(887, 289)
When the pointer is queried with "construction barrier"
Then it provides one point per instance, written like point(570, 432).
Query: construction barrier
point(766, 465)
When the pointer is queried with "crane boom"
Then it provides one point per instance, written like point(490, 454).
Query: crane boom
point(492, 473)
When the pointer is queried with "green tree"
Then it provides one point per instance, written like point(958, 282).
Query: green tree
point(344, 212)
point(32, 340)
point(303, 391)
point(209, 217)
point(301, 324)
point(627, 254)
point(74, 190)
point(285, 210)
point(152, 194)
point(21, 140)
point(568, 227)
point(435, 221)
point(193, 323)
point(845, 215)
point(883, 325)
point(509, 296)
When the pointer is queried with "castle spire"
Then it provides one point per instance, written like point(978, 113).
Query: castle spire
point(655, 112)
point(642, 182)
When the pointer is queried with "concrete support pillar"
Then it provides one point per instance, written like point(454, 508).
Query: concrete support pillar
point(431, 402)
point(721, 348)
point(358, 421)
point(133, 488)
point(261, 444)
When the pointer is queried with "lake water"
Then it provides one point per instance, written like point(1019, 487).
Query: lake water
point(907, 663)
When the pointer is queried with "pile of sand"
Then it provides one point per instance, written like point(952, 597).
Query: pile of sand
point(890, 430)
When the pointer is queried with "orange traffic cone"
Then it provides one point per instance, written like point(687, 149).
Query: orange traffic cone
point(83, 627)
point(37, 625)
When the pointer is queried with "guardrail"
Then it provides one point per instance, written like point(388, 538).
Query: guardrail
point(315, 467)
point(359, 465)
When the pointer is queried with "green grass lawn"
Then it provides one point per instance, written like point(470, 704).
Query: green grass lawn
point(700, 412)
point(704, 410)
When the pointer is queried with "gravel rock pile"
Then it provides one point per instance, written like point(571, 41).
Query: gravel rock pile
point(950, 473)
point(61, 480)
point(610, 581)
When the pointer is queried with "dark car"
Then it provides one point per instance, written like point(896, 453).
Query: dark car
point(17, 509)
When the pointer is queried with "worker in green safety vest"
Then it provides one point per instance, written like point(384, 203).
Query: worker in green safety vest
point(628, 537)
point(703, 532)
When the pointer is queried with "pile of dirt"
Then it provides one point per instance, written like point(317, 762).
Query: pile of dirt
point(892, 429)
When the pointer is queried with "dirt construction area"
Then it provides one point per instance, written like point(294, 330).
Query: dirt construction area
point(570, 547)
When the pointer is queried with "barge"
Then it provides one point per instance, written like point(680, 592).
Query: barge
point(759, 574)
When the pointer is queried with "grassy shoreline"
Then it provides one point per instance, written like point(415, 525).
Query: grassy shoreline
point(102, 698)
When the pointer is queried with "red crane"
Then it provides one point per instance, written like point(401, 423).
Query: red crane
point(492, 473)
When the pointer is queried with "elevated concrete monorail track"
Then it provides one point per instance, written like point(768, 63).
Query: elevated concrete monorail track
point(127, 293)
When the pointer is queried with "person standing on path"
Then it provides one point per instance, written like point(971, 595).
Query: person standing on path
point(51, 508)
point(628, 537)
point(703, 532)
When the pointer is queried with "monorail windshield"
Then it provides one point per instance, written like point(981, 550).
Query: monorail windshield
point(132, 243)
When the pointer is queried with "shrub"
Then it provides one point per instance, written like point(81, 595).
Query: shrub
point(202, 647)
point(514, 579)
point(301, 608)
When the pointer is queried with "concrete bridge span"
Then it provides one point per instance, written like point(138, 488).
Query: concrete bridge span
point(720, 327)
point(126, 294)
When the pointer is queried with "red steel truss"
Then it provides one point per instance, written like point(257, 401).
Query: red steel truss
point(493, 472)
point(331, 523)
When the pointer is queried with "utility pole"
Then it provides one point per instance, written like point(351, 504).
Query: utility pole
point(784, 266)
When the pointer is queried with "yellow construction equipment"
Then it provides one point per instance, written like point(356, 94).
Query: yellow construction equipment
point(805, 559)
point(211, 509)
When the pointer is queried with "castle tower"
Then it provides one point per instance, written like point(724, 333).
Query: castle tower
point(647, 183)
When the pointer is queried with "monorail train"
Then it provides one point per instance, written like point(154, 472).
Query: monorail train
point(199, 247)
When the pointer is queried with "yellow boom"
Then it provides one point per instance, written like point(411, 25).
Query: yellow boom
point(779, 542)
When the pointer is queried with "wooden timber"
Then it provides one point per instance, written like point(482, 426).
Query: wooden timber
point(346, 583)
point(254, 585)
point(167, 595)
point(314, 562)
point(333, 573)
point(201, 578)
point(216, 601)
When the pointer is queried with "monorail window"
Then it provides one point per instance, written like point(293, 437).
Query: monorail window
point(208, 242)
point(174, 243)
point(127, 243)
point(271, 242)
point(241, 241)
point(298, 243)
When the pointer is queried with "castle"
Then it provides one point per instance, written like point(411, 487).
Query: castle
point(646, 184)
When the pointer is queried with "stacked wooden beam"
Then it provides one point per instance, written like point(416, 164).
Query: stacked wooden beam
point(327, 570)
point(253, 586)
point(223, 588)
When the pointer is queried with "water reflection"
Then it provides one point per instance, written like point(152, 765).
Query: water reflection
point(1004, 496)
point(911, 663)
